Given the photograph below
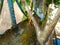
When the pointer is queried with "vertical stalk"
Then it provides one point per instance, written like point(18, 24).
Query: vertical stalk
point(43, 6)
point(31, 5)
point(52, 1)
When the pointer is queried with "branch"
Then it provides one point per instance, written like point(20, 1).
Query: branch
point(31, 5)
point(42, 36)
point(31, 15)
point(37, 28)
point(52, 25)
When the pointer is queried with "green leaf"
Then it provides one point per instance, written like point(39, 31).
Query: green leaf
point(22, 6)
point(28, 2)
point(24, 18)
